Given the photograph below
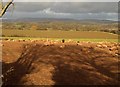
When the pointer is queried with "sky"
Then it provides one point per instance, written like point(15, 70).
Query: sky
point(64, 0)
point(74, 9)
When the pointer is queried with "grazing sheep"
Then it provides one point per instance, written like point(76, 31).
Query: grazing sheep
point(18, 40)
point(6, 39)
point(47, 43)
point(13, 40)
point(105, 46)
point(78, 42)
point(31, 40)
point(24, 40)
point(99, 46)
point(63, 41)
point(1, 44)
point(69, 40)
point(54, 42)
point(113, 48)
point(62, 46)
point(51, 43)
point(36, 40)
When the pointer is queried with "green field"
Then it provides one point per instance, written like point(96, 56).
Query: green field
point(58, 35)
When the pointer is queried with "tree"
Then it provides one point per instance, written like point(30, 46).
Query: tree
point(4, 8)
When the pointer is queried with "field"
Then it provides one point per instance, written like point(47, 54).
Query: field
point(59, 57)
point(56, 63)
point(60, 34)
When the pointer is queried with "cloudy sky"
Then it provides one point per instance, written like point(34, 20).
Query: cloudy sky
point(102, 9)
point(64, 0)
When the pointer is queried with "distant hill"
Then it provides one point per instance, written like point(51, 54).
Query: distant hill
point(57, 19)
point(61, 24)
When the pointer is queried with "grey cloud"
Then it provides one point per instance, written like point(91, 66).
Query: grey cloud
point(50, 14)
point(68, 7)
point(86, 7)
point(31, 6)
point(72, 10)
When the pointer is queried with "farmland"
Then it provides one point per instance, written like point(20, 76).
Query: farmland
point(34, 55)
point(57, 63)
point(62, 25)
point(59, 43)
point(58, 34)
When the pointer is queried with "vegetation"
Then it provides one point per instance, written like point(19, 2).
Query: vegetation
point(58, 34)
point(111, 27)
point(60, 39)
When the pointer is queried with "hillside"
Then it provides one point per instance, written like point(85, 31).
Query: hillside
point(47, 63)
point(62, 24)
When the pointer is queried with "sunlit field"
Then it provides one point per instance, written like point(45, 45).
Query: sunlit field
point(60, 34)
point(59, 43)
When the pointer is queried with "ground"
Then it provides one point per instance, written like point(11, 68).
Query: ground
point(57, 63)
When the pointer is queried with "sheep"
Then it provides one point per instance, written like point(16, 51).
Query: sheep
point(47, 43)
point(99, 46)
point(1, 44)
point(78, 42)
point(63, 41)
point(62, 46)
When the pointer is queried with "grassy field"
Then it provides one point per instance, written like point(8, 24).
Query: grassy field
point(59, 39)
point(59, 34)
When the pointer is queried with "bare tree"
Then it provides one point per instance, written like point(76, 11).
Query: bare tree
point(4, 8)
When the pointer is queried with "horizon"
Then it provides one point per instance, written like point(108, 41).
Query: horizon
point(56, 19)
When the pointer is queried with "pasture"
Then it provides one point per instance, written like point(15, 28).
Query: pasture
point(58, 35)
point(70, 64)
point(38, 60)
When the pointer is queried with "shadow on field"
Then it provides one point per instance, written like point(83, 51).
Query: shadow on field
point(13, 72)
point(72, 66)
point(66, 74)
